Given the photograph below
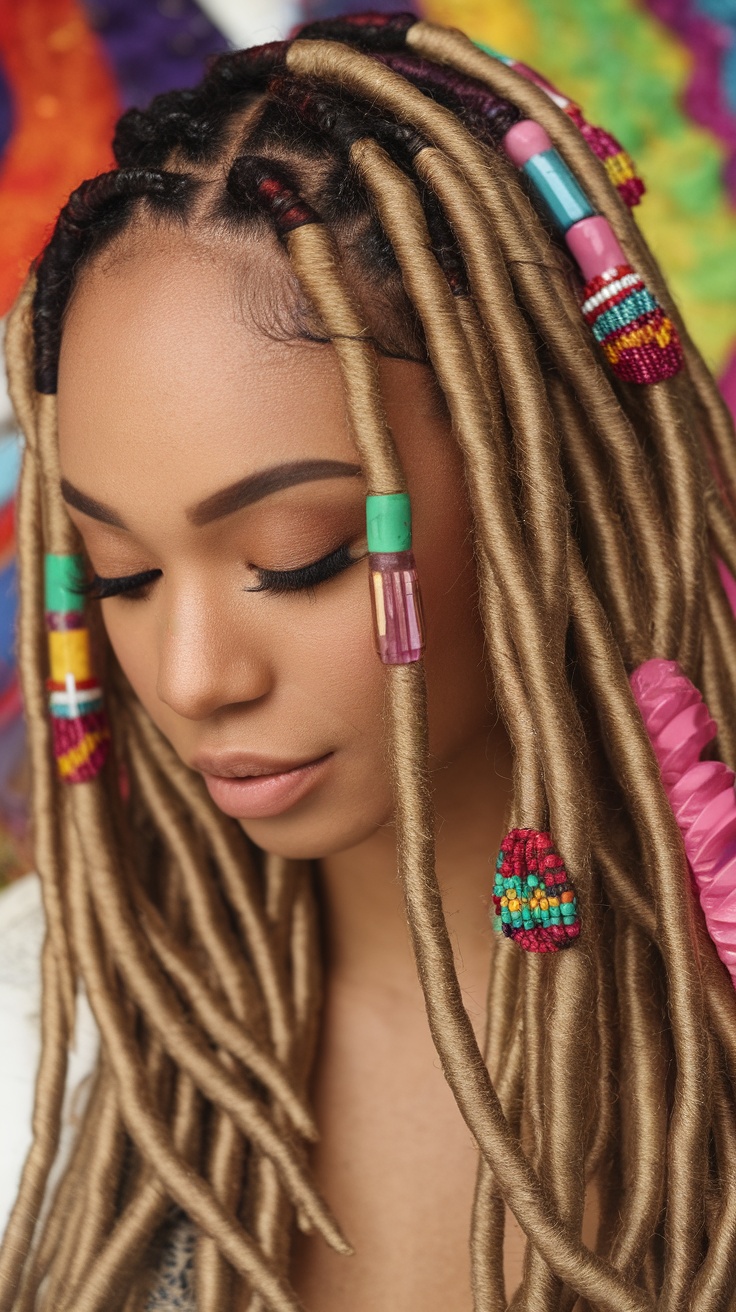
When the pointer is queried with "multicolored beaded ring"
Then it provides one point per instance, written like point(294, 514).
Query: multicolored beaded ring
point(81, 736)
point(534, 901)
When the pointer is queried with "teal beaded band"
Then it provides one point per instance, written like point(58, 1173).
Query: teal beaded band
point(388, 522)
point(64, 577)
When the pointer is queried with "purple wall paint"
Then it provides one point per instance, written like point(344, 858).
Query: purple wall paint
point(154, 45)
point(313, 10)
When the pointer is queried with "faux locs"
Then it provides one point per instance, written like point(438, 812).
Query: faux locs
point(369, 147)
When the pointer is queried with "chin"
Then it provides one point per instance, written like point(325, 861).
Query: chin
point(314, 839)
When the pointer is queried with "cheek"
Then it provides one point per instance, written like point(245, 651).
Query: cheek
point(132, 637)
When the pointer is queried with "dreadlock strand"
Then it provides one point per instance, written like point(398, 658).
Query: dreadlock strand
point(234, 862)
point(144, 1125)
point(96, 1204)
point(617, 579)
point(127, 1244)
point(643, 1127)
point(188, 1049)
point(32, 662)
point(489, 1210)
point(714, 1282)
point(635, 762)
point(232, 1037)
point(206, 908)
point(461, 1060)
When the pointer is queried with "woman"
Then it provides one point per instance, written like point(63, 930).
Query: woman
point(353, 265)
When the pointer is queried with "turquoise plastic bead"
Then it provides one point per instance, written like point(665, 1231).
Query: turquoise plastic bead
point(557, 189)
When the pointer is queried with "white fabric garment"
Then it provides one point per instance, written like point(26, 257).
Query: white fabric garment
point(21, 942)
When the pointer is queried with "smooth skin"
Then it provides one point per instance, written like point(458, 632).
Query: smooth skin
point(168, 394)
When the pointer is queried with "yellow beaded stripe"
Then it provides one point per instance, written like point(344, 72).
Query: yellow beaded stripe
point(662, 333)
point(69, 762)
point(620, 168)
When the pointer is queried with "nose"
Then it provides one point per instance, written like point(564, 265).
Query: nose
point(207, 660)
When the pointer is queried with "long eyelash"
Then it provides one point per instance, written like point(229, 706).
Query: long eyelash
point(307, 576)
point(128, 585)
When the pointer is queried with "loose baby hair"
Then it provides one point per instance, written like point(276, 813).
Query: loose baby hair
point(366, 151)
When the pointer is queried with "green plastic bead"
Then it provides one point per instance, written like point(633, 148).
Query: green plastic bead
point(388, 521)
point(64, 577)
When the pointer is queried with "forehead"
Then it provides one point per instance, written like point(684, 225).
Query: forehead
point(161, 370)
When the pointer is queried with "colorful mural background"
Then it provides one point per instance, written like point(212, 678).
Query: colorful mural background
point(659, 74)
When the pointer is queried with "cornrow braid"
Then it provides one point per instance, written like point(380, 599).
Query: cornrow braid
point(373, 148)
point(92, 215)
point(370, 31)
point(194, 121)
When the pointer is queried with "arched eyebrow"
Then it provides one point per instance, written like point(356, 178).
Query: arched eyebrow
point(257, 486)
point(229, 499)
point(88, 505)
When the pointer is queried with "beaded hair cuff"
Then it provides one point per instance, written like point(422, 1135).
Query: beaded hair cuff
point(81, 736)
point(533, 899)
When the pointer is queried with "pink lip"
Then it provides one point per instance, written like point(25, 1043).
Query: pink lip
point(254, 788)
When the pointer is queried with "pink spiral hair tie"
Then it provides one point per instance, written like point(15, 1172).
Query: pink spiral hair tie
point(701, 793)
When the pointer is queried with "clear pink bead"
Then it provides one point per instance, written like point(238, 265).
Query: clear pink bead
point(397, 607)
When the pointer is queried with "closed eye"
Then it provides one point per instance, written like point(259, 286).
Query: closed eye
point(306, 576)
point(131, 586)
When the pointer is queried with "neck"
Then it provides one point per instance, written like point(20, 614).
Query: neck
point(366, 936)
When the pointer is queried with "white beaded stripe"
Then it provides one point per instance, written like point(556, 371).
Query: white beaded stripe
point(612, 289)
point(81, 696)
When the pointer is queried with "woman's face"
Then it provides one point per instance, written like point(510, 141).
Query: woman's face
point(195, 446)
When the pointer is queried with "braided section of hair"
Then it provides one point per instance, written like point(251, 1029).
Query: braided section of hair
point(92, 215)
point(365, 153)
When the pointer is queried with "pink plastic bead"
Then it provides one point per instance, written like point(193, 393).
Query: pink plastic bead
point(397, 607)
point(701, 793)
point(524, 140)
point(594, 248)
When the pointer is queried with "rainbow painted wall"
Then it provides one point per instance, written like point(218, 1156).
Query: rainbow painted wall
point(659, 74)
